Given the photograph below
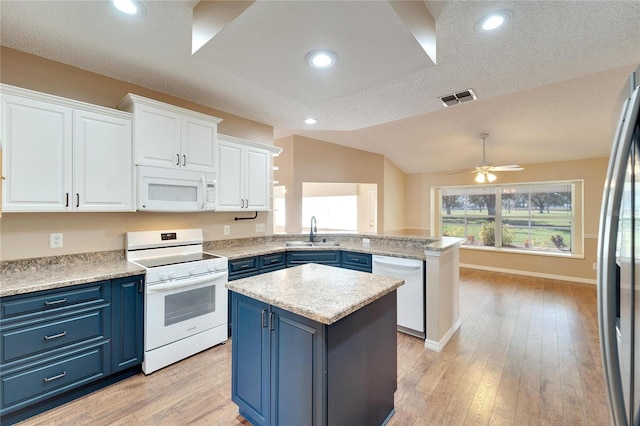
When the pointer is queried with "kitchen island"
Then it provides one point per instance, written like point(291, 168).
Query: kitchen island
point(314, 344)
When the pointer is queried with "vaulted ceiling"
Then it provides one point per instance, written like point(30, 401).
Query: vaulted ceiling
point(548, 84)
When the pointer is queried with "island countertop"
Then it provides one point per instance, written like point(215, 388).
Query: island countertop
point(319, 292)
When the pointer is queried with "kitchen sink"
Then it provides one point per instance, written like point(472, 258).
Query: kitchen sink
point(326, 244)
point(310, 244)
point(298, 244)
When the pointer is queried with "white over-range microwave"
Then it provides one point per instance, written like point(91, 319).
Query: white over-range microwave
point(175, 190)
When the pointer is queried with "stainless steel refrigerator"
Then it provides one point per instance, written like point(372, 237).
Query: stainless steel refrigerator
point(619, 265)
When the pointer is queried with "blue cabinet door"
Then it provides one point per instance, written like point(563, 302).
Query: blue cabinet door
point(250, 358)
point(297, 372)
point(127, 322)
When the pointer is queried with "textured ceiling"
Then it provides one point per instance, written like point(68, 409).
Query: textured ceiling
point(547, 83)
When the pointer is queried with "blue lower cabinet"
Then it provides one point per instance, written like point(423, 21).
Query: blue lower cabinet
point(356, 261)
point(127, 316)
point(58, 345)
point(324, 257)
point(276, 365)
point(290, 370)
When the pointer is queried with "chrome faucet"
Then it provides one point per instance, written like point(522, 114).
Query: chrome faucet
point(313, 229)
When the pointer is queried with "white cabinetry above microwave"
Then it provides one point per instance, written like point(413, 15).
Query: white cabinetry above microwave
point(244, 174)
point(62, 155)
point(172, 137)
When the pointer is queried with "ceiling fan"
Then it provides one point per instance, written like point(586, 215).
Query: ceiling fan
point(484, 170)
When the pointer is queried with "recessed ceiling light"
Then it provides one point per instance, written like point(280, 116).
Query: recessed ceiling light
point(494, 21)
point(321, 59)
point(310, 120)
point(130, 7)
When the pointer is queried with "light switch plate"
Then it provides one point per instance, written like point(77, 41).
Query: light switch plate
point(259, 227)
point(227, 229)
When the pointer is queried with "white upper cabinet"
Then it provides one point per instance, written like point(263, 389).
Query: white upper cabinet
point(102, 166)
point(244, 174)
point(169, 136)
point(61, 155)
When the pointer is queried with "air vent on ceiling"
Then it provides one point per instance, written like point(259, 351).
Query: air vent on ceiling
point(457, 98)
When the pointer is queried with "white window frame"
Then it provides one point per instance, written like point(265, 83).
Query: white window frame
point(577, 222)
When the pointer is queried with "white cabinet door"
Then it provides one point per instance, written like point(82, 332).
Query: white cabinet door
point(257, 194)
point(198, 143)
point(157, 136)
point(230, 189)
point(37, 142)
point(102, 168)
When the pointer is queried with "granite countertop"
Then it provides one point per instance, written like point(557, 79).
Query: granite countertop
point(321, 293)
point(29, 275)
point(406, 247)
point(21, 281)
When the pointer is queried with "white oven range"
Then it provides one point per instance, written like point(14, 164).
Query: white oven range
point(185, 307)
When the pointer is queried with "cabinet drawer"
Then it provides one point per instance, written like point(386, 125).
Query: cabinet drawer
point(26, 387)
point(241, 268)
point(46, 301)
point(357, 261)
point(272, 262)
point(325, 257)
point(43, 336)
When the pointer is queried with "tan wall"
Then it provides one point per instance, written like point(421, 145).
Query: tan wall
point(318, 161)
point(592, 171)
point(395, 197)
point(26, 235)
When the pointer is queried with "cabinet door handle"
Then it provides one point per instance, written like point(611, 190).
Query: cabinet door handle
point(59, 376)
point(55, 336)
point(177, 159)
point(67, 202)
point(55, 302)
point(140, 286)
point(272, 322)
point(77, 200)
point(184, 160)
point(263, 319)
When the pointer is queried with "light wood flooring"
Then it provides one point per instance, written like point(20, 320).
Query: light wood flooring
point(527, 353)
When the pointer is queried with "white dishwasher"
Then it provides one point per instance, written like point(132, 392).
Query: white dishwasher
point(411, 295)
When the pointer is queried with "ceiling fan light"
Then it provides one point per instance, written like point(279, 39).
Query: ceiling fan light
point(480, 177)
point(491, 177)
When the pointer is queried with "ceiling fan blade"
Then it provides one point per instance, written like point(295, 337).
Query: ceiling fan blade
point(456, 172)
point(508, 168)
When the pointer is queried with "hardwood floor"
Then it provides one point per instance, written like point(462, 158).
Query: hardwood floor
point(527, 353)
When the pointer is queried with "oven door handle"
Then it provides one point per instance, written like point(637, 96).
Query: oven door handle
point(186, 283)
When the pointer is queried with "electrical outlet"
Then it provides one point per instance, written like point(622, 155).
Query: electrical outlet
point(259, 227)
point(55, 240)
point(227, 229)
point(595, 266)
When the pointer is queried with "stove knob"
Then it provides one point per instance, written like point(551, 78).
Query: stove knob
point(164, 277)
point(211, 268)
point(193, 271)
point(172, 274)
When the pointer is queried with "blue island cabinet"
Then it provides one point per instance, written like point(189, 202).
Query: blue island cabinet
point(290, 370)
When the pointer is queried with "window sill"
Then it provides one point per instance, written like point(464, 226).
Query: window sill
point(566, 255)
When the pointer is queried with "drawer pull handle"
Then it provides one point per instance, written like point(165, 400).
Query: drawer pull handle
point(355, 260)
point(274, 261)
point(55, 336)
point(59, 376)
point(55, 302)
point(245, 266)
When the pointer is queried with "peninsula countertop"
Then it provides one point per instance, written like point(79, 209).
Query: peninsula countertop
point(321, 293)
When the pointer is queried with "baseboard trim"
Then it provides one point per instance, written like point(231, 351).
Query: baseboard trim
point(438, 346)
point(530, 274)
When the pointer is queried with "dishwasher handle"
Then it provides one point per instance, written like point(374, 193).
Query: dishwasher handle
point(396, 265)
